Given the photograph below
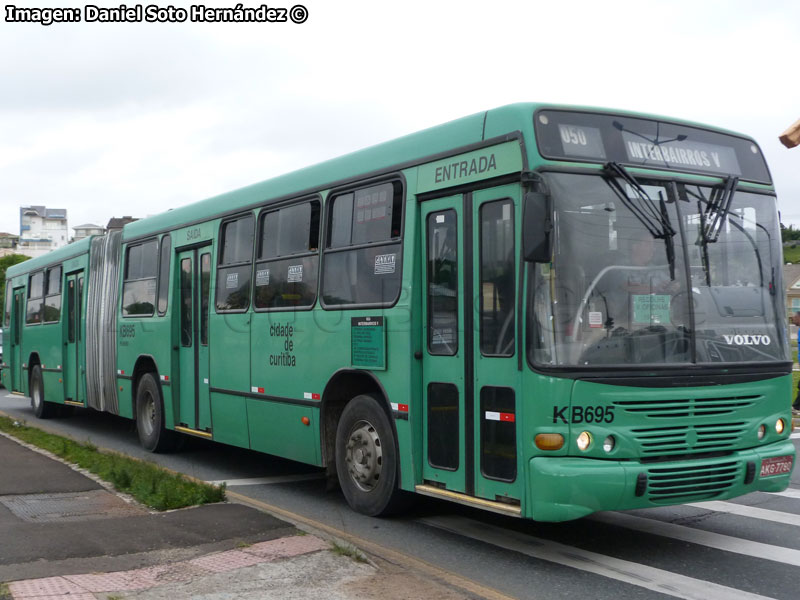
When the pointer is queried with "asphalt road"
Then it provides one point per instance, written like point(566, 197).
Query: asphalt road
point(748, 548)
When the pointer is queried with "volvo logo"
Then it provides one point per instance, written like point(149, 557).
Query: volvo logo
point(747, 340)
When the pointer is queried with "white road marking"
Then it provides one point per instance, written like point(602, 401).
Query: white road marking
point(750, 511)
point(795, 436)
point(788, 493)
point(658, 580)
point(268, 480)
point(788, 556)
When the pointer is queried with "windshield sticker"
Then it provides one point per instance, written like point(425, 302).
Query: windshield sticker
point(747, 340)
point(652, 309)
point(295, 274)
point(232, 281)
point(262, 277)
point(384, 264)
point(595, 319)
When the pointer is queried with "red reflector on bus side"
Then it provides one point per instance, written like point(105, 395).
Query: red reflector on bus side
point(500, 416)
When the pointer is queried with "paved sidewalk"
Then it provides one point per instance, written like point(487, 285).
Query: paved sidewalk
point(66, 536)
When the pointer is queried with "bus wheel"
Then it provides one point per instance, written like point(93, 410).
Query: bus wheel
point(42, 409)
point(150, 416)
point(366, 457)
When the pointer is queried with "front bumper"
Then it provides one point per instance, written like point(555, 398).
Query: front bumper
point(568, 488)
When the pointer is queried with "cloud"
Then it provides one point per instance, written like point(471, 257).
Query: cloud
point(110, 119)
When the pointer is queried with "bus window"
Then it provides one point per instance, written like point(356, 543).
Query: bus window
point(498, 434)
point(443, 427)
point(205, 286)
point(235, 260)
point(497, 278)
point(362, 258)
point(139, 287)
point(33, 314)
point(52, 302)
point(163, 274)
point(187, 302)
point(9, 294)
point(286, 272)
point(71, 311)
point(442, 283)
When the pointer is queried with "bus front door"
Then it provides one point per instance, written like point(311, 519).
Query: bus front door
point(17, 319)
point(74, 352)
point(470, 367)
point(194, 268)
point(444, 419)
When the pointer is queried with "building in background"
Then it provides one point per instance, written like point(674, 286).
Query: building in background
point(8, 244)
point(41, 230)
point(84, 231)
point(791, 279)
point(117, 223)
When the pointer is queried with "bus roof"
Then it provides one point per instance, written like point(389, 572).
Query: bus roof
point(53, 257)
point(448, 138)
point(438, 141)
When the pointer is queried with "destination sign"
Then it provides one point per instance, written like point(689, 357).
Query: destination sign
point(681, 153)
point(585, 136)
point(581, 141)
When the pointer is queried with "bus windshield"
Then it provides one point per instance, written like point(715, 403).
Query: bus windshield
point(654, 272)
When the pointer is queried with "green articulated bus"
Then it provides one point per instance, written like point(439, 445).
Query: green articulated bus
point(537, 310)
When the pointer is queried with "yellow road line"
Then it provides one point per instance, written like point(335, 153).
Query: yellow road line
point(392, 556)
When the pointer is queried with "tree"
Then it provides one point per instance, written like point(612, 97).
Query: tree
point(789, 233)
point(5, 262)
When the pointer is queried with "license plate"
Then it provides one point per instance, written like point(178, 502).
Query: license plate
point(778, 465)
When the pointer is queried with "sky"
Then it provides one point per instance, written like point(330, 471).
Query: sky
point(113, 119)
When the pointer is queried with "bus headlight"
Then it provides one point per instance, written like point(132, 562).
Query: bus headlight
point(762, 431)
point(609, 443)
point(780, 426)
point(584, 441)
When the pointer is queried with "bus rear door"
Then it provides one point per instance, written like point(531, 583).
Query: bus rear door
point(470, 362)
point(194, 268)
point(74, 352)
point(17, 319)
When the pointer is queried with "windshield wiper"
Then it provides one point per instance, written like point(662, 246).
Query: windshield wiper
point(704, 240)
point(655, 220)
point(717, 209)
point(712, 219)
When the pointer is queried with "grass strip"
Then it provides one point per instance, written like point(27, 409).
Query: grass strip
point(147, 482)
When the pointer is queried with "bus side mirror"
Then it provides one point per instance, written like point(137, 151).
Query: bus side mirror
point(536, 226)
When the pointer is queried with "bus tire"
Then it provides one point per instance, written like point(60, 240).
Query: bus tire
point(153, 436)
point(366, 458)
point(42, 409)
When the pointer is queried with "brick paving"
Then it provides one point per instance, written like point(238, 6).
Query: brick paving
point(83, 587)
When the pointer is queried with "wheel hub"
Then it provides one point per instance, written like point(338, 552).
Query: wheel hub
point(364, 456)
